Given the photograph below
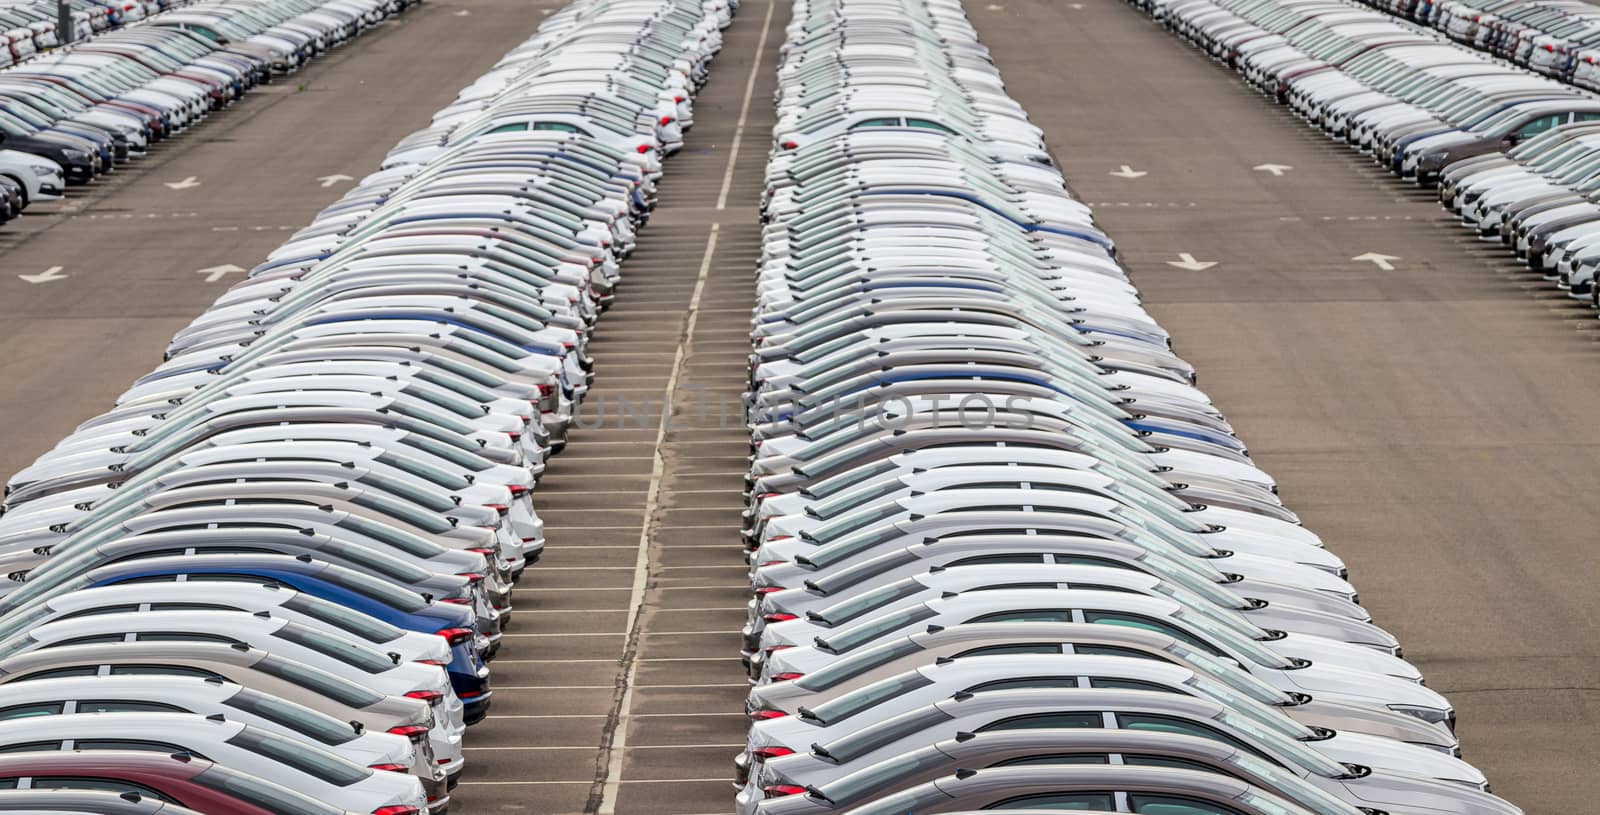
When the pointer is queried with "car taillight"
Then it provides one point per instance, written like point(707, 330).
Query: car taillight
point(666, 120)
point(790, 145)
point(786, 676)
point(766, 753)
point(457, 601)
point(677, 99)
point(472, 577)
point(644, 148)
point(456, 636)
point(766, 589)
point(763, 715)
point(515, 436)
point(415, 732)
point(436, 662)
point(393, 768)
point(396, 810)
point(782, 790)
point(772, 563)
point(429, 696)
point(776, 648)
point(780, 617)
point(546, 389)
point(517, 490)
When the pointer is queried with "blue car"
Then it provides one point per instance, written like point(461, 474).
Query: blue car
point(468, 670)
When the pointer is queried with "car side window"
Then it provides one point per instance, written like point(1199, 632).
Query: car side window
point(93, 639)
point(1176, 805)
point(116, 785)
point(1114, 651)
point(128, 608)
point(559, 127)
point(1117, 683)
point(132, 744)
point(162, 670)
point(1046, 721)
point(9, 783)
point(1037, 615)
point(1148, 624)
point(125, 706)
point(30, 747)
point(886, 121)
point(1026, 682)
point(1096, 801)
point(1014, 648)
point(1587, 116)
point(30, 711)
point(61, 673)
point(1169, 724)
point(1057, 758)
point(1540, 125)
point(1178, 763)
point(929, 125)
point(514, 127)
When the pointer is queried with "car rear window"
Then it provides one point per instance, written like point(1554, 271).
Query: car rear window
point(310, 760)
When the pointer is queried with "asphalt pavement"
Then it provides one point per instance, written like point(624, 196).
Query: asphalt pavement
point(1422, 401)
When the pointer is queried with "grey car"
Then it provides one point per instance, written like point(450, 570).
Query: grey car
point(1112, 788)
point(1392, 792)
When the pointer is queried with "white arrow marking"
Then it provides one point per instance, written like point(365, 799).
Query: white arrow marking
point(49, 275)
point(1075, 6)
point(463, 13)
point(330, 180)
point(1187, 261)
point(185, 184)
point(1275, 169)
point(1381, 260)
point(1128, 172)
point(215, 273)
point(994, 7)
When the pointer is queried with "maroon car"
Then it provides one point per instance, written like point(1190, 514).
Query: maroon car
point(179, 778)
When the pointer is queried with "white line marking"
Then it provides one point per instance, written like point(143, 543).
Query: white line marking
point(738, 129)
point(641, 566)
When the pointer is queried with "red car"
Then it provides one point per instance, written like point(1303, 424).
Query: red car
point(179, 778)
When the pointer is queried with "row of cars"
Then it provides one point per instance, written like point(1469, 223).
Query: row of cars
point(1559, 38)
point(1004, 553)
point(74, 114)
point(271, 579)
point(1539, 199)
point(1411, 100)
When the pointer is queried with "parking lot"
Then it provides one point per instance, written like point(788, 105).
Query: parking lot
point(1421, 401)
